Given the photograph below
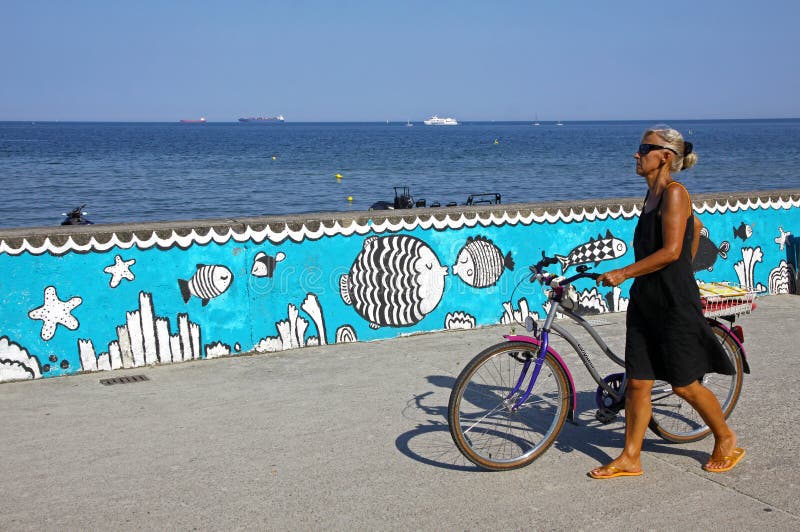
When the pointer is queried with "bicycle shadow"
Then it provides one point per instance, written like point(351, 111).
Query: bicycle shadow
point(430, 442)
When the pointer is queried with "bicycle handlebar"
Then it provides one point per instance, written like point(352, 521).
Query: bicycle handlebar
point(591, 275)
point(539, 273)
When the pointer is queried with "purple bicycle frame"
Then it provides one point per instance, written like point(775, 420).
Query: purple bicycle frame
point(544, 349)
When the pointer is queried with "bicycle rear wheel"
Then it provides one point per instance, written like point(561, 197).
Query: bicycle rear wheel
point(675, 420)
point(483, 424)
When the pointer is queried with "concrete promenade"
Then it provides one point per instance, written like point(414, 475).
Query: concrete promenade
point(354, 437)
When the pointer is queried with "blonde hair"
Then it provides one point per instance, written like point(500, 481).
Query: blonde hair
point(685, 157)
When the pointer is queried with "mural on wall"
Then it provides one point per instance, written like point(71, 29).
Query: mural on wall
point(16, 363)
point(591, 301)
point(374, 279)
point(394, 281)
point(207, 283)
point(782, 237)
point(780, 279)
point(745, 268)
point(744, 231)
point(480, 263)
point(594, 251)
point(459, 320)
point(55, 312)
point(121, 269)
point(517, 314)
point(264, 265)
point(144, 339)
point(292, 330)
point(707, 252)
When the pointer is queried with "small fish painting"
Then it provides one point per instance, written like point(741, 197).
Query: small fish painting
point(394, 281)
point(207, 283)
point(707, 252)
point(264, 265)
point(595, 250)
point(480, 263)
point(744, 231)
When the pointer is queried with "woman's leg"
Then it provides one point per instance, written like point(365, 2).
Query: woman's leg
point(707, 405)
point(638, 411)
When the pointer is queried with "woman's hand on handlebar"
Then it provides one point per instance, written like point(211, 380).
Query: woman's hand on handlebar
point(612, 278)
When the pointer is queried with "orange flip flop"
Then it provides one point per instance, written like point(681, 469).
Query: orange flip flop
point(734, 459)
point(614, 472)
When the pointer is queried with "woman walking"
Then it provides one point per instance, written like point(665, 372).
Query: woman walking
point(667, 337)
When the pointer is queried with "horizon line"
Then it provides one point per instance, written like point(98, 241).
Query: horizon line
point(527, 121)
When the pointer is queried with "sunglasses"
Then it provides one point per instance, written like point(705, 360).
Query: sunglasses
point(644, 149)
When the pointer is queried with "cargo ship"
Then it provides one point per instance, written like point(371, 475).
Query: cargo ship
point(189, 121)
point(267, 120)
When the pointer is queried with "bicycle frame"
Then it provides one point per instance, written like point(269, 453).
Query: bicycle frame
point(537, 391)
point(543, 342)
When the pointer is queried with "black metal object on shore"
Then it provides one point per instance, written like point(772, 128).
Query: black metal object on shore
point(404, 200)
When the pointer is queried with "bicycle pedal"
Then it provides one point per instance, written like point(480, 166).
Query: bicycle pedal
point(605, 415)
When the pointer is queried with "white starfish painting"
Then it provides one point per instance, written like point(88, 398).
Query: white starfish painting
point(121, 269)
point(55, 312)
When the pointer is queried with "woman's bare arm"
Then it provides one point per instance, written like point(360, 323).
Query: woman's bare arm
point(673, 227)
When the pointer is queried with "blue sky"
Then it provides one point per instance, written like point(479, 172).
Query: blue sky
point(340, 60)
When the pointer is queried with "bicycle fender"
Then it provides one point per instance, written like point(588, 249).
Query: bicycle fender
point(739, 344)
point(570, 380)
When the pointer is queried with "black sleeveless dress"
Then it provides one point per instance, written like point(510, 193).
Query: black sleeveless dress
point(667, 337)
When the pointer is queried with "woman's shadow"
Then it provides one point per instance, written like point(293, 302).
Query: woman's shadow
point(430, 441)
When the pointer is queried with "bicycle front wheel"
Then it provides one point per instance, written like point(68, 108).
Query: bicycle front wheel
point(484, 424)
point(675, 420)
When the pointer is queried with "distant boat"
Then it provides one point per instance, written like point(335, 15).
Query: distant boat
point(536, 120)
point(409, 124)
point(436, 121)
point(190, 121)
point(266, 120)
point(559, 123)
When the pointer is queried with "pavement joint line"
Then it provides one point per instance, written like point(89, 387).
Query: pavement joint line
point(747, 495)
point(725, 486)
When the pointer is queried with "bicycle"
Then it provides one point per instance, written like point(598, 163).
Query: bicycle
point(499, 422)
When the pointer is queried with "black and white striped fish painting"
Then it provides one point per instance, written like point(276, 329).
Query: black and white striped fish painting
point(394, 281)
point(480, 263)
point(207, 283)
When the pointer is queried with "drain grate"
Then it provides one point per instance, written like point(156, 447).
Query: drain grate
point(124, 380)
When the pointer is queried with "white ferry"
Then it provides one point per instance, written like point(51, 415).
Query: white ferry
point(268, 120)
point(436, 121)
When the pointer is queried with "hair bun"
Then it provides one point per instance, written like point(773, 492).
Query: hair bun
point(687, 148)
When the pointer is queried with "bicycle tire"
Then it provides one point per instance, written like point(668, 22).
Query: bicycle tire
point(480, 416)
point(675, 420)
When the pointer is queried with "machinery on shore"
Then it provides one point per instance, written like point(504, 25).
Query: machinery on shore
point(404, 200)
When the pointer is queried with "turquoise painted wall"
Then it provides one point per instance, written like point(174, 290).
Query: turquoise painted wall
point(127, 299)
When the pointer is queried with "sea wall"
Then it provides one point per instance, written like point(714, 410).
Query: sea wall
point(103, 297)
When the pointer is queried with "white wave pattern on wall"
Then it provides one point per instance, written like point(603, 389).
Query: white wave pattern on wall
point(248, 234)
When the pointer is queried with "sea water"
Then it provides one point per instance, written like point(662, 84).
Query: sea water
point(133, 172)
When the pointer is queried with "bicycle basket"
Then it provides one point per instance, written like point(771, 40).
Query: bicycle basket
point(726, 299)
